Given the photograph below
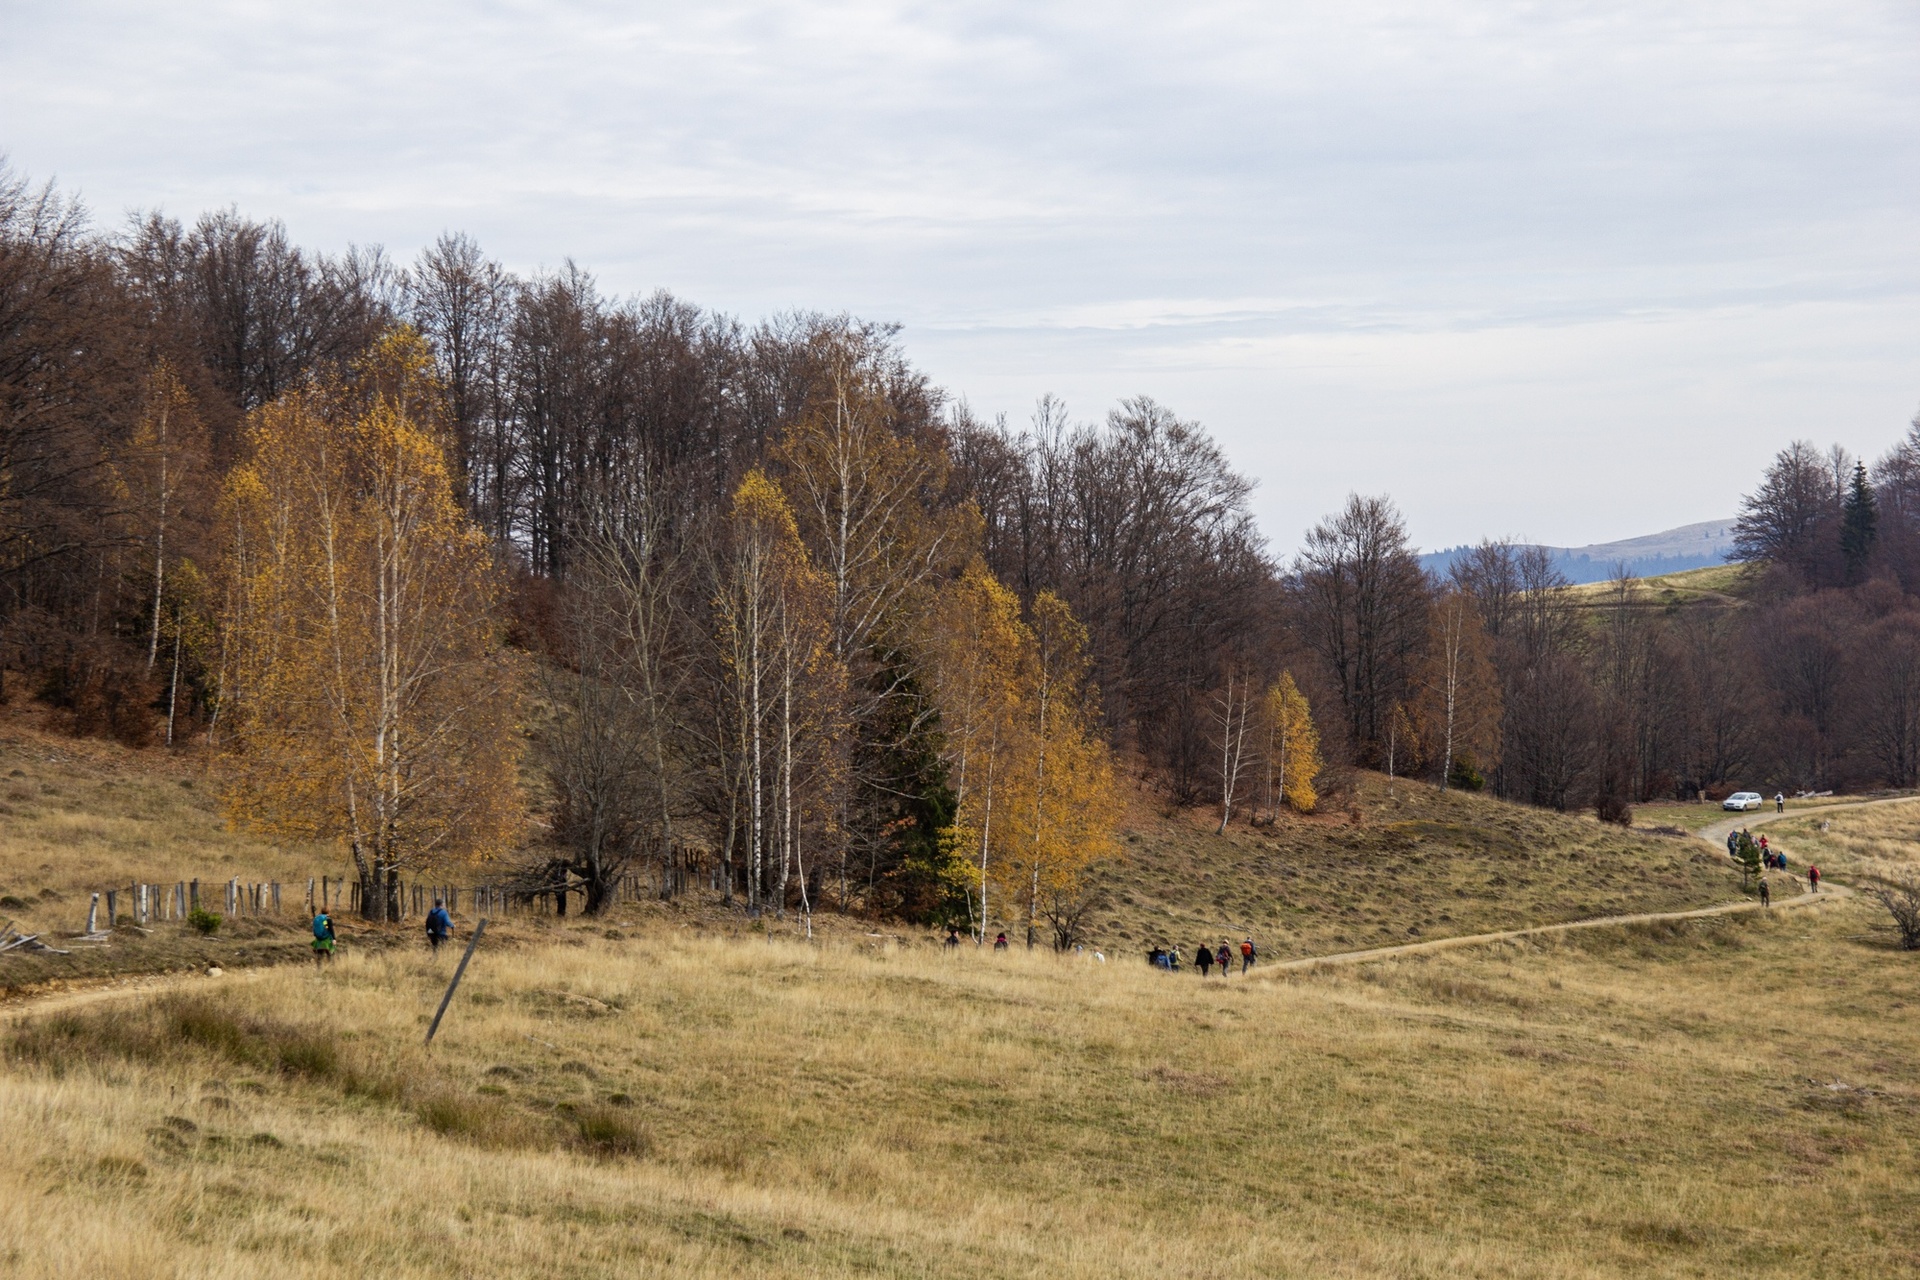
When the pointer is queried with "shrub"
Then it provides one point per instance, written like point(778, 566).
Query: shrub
point(1465, 774)
point(157, 1033)
point(207, 922)
point(484, 1121)
point(606, 1130)
point(1901, 898)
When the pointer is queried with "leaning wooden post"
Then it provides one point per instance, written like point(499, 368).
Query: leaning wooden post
point(447, 999)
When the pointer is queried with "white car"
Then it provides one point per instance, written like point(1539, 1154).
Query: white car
point(1743, 801)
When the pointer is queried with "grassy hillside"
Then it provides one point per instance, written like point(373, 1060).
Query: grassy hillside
point(1417, 864)
point(1676, 1101)
point(1721, 584)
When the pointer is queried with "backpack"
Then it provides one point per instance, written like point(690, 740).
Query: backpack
point(322, 928)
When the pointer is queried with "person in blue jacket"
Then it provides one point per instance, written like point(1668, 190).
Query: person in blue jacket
point(439, 924)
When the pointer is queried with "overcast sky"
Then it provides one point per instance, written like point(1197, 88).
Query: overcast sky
point(1570, 272)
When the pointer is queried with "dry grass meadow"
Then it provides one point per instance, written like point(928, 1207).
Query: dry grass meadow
point(1881, 839)
point(1736, 1096)
point(675, 1091)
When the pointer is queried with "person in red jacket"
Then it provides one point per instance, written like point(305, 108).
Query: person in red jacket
point(1246, 955)
point(1813, 879)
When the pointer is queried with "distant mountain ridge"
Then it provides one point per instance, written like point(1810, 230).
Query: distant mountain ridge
point(1691, 546)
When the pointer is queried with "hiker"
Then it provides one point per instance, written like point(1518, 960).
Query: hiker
point(1000, 941)
point(322, 938)
point(1203, 958)
point(1173, 958)
point(1733, 843)
point(439, 925)
point(1246, 955)
point(1766, 898)
point(1224, 958)
point(953, 938)
point(1779, 802)
point(1813, 879)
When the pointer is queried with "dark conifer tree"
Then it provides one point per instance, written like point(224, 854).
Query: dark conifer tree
point(1858, 522)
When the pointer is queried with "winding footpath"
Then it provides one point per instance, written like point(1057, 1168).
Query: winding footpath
point(1714, 833)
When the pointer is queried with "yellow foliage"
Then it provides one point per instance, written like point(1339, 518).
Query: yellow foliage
point(1037, 799)
point(368, 696)
point(1293, 751)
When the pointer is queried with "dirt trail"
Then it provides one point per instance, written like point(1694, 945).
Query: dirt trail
point(1714, 834)
point(78, 996)
point(1718, 832)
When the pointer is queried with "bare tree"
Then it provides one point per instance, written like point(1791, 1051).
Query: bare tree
point(1363, 601)
point(1901, 898)
point(1886, 664)
point(1793, 519)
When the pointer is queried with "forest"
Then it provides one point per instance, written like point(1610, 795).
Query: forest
point(449, 563)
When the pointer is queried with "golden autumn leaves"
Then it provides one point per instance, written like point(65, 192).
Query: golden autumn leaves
point(1038, 803)
point(367, 694)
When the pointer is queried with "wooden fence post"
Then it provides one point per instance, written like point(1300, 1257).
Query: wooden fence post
point(113, 896)
point(93, 914)
point(194, 887)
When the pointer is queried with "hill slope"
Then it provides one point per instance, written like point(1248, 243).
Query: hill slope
point(1418, 863)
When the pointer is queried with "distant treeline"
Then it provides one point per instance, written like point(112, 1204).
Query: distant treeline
point(623, 462)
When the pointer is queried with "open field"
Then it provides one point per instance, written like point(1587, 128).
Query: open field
point(1669, 1100)
point(1879, 839)
point(1419, 864)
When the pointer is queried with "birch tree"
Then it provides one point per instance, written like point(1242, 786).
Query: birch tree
point(783, 686)
point(372, 701)
point(1066, 802)
point(975, 646)
point(164, 471)
point(1232, 705)
point(1291, 748)
point(1460, 690)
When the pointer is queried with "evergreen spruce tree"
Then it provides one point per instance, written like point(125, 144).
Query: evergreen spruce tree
point(1858, 521)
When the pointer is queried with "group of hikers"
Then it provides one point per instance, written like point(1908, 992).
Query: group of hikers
point(1205, 957)
point(439, 929)
point(1771, 859)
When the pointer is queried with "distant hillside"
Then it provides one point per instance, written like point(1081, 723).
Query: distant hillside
point(1418, 864)
point(1691, 546)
